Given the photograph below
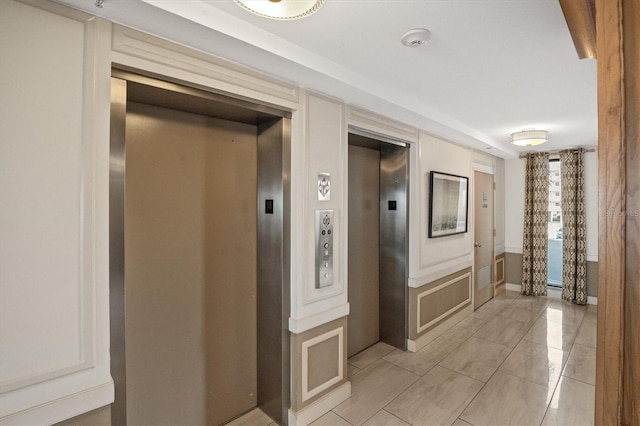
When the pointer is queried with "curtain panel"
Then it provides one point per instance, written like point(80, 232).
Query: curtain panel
point(574, 252)
point(535, 236)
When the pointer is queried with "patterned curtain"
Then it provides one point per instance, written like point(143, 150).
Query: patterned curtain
point(574, 254)
point(535, 236)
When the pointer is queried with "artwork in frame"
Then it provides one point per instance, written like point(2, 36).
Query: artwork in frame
point(448, 204)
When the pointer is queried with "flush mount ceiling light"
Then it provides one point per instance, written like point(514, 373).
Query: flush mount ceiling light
point(281, 9)
point(416, 37)
point(529, 137)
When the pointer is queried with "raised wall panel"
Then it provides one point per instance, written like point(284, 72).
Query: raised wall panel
point(434, 302)
point(437, 306)
point(499, 272)
point(53, 312)
point(42, 258)
point(319, 361)
point(324, 136)
point(322, 362)
point(499, 265)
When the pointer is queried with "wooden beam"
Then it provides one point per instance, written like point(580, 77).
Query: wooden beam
point(580, 17)
point(618, 330)
point(611, 193)
point(631, 348)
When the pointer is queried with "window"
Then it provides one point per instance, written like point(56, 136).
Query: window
point(554, 227)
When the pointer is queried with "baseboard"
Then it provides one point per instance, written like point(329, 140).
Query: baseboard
point(513, 287)
point(320, 407)
point(437, 331)
point(64, 408)
point(552, 292)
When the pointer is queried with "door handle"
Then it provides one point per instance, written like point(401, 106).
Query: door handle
point(477, 245)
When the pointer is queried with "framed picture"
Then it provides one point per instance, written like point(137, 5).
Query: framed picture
point(448, 204)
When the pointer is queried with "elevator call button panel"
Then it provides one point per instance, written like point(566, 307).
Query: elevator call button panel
point(324, 248)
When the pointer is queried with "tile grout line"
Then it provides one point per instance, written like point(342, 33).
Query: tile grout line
point(391, 414)
point(399, 394)
point(561, 373)
point(510, 352)
point(507, 304)
point(349, 423)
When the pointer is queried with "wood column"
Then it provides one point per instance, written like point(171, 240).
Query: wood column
point(618, 345)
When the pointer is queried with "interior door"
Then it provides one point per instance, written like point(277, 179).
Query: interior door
point(483, 238)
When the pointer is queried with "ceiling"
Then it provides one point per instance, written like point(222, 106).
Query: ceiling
point(492, 67)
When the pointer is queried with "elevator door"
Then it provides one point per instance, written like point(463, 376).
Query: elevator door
point(364, 251)
point(190, 254)
point(378, 187)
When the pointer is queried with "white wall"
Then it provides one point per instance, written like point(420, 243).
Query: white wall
point(54, 320)
point(54, 328)
point(434, 258)
point(514, 206)
point(500, 205)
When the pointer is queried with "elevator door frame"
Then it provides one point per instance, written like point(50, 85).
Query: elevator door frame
point(273, 233)
point(394, 301)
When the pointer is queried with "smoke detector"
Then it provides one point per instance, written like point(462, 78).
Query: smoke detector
point(416, 37)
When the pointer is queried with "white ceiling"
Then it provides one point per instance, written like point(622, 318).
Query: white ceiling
point(492, 67)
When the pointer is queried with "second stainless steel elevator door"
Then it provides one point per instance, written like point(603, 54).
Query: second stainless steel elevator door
point(364, 248)
point(378, 188)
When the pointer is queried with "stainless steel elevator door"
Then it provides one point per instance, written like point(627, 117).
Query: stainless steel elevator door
point(364, 248)
point(190, 276)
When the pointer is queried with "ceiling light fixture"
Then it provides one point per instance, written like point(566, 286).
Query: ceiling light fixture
point(416, 37)
point(529, 137)
point(281, 9)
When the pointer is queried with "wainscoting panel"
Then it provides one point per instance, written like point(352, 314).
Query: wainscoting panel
point(433, 303)
point(322, 364)
point(499, 274)
point(318, 360)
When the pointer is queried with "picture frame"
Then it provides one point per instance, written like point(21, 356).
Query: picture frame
point(448, 204)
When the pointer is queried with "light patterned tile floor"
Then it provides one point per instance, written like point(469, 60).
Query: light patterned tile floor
point(540, 371)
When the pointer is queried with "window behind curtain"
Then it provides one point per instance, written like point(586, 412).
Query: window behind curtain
point(554, 259)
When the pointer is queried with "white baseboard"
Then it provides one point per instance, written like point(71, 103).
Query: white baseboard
point(437, 331)
point(63, 408)
point(553, 292)
point(320, 407)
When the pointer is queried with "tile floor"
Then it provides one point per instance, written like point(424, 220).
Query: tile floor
point(515, 361)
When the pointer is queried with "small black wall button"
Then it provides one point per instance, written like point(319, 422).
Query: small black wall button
point(392, 205)
point(268, 206)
